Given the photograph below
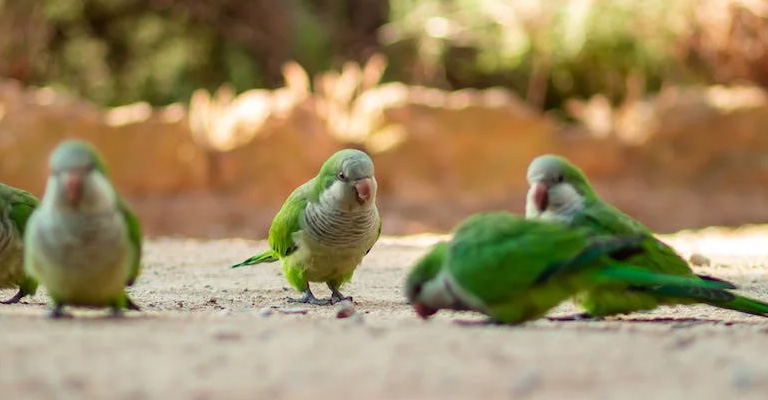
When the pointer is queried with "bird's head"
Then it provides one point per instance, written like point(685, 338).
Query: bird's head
point(347, 180)
point(422, 288)
point(78, 180)
point(555, 184)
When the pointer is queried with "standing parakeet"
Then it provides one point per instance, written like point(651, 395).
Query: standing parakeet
point(515, 269)
point(16, 206)
point(326, 226)
point(83, 243)
point(559, 191)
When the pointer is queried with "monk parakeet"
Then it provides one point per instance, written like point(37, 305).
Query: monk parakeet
point(514, 269)
point(16, 206)
point(326, 226)
point(559, 191)
point(83, 243)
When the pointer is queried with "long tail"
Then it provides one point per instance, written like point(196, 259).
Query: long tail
point(743, 304)
point(265, 257)
point(657, 282)
point(714, 296)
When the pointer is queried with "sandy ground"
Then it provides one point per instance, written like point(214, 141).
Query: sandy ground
point(205, 333)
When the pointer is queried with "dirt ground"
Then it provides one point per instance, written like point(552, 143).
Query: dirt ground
point(208, 332)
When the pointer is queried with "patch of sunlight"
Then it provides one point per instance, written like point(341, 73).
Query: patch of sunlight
point(128, 114)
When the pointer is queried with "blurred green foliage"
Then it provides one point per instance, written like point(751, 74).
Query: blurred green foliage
point(119, 51)
point(546, 50)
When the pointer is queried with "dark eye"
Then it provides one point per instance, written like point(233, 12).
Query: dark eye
point(560, 178)
point(342, 177)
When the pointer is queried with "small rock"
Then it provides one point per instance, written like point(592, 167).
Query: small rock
point(356, 318)
point(345, 309)
point(227, 335)
point(700, 260)
point(742, 377)
point(526, 383)
point(293, 310)
point(266, 311)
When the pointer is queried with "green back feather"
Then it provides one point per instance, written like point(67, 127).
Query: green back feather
point(21, 205)
point(288, 220)
point(601, 218)
point(497, 256)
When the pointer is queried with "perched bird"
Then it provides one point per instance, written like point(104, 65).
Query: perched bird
point(16, 206)
point(326, 226)
point(559, 191)
point(83, 243)
point(515, 269)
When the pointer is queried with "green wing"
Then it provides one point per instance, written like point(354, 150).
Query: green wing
point(603, 219)
point(134, 236)
point(22, 204)
point(498, 256)
point(288, 221)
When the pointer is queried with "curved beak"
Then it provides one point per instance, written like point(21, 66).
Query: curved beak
point(364, 190)
point(423, 310)
point(540, 196)
point(73, 185)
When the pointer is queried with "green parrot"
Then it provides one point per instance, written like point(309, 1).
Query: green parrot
point(326, 226)
point(83, 243)
point(559, 191)
point(515, 269)
point(16, 206)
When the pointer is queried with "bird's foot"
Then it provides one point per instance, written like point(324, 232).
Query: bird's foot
point(58, 312)
point(129, 304)
point(576, 317)
point(309, 298)
point(15, 299)
point(337, 297)
point(116, 312)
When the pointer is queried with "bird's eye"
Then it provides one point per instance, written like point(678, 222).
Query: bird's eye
point(560, 178)
point(417, 290)
point(342, 177)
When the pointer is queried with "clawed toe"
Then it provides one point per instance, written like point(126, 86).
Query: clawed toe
point(335, 300)
point(58, 313)
point(309, 298)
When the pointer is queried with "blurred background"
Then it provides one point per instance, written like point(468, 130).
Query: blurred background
point(210, 112)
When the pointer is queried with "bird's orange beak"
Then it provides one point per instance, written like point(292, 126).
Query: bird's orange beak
point(363, 189)
point(73, 185)
point(423, 311)
point(540, 196)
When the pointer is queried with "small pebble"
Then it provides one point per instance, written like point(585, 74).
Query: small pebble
point(293, 310)
point(526, 383)
point(345, 309)
point(700, 260)
point(227, 335)
point(356, 318)
point(266, 311)
point(742, 377)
